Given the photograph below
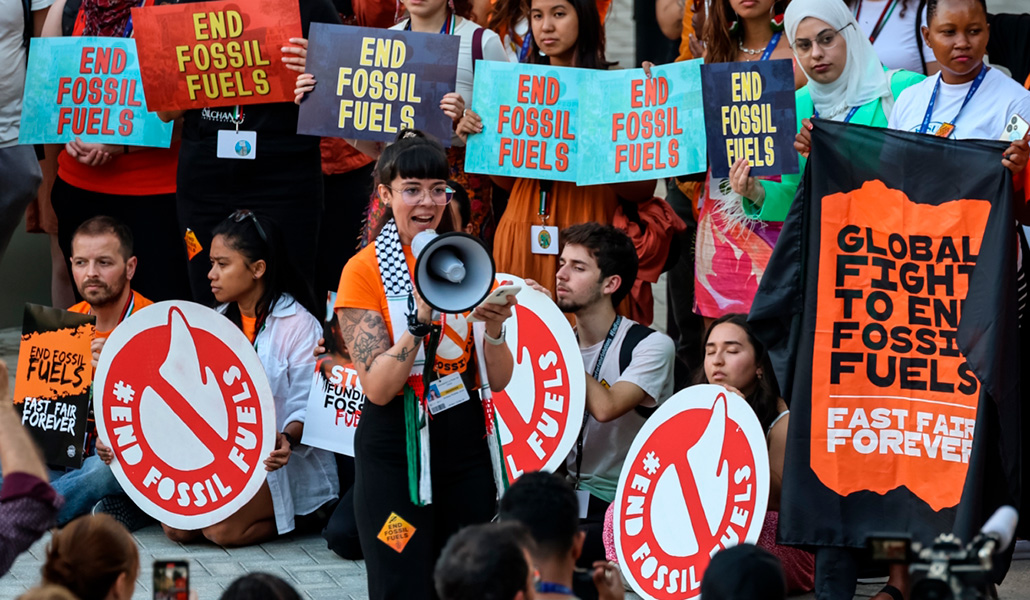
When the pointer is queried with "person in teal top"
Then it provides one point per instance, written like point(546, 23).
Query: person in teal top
point(846, 82)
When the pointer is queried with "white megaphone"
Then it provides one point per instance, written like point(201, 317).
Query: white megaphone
point(454, 272)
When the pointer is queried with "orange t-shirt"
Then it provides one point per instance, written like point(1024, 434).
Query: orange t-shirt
point(362, 287)
point(249, 325)
point(138, 302)
point(145, 173)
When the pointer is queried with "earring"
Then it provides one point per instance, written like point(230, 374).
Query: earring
point(734, 26)
point(777, 23)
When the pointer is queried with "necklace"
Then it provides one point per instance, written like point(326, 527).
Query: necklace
point(751, 51)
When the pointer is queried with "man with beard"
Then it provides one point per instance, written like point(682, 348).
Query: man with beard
point(629, 367)
point(102, 266)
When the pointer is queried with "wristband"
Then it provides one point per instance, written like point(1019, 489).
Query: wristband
point(417, 328)
point(289, 438)
point(497, 341)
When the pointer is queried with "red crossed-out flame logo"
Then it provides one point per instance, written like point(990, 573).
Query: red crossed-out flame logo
point(695, 481)
point(184, 419)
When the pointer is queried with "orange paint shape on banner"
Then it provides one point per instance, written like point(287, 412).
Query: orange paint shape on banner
point(54, 364)
point(224, 53)
point(893, 399)
point(396, 532)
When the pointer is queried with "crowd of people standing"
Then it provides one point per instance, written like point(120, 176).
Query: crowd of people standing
point(264, 240)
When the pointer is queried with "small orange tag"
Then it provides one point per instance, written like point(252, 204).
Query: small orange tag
point(193, 246)
point(945, 130)
point(396, 533)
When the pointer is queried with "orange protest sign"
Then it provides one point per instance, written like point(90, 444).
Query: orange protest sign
point(396, 532)
point(215, 53)
point(893, 399)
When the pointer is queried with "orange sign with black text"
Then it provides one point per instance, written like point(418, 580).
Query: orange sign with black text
point(893, 399)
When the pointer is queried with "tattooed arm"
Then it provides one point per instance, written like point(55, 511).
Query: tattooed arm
point(382, 368)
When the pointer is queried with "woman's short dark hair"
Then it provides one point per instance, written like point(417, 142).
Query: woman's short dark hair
point(260, 586)
point(259, 238)
point(611, 248)
point(589, 42)
point(931, 9)
point(764, 400)
point(413, 155)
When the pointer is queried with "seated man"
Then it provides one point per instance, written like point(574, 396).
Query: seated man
point(546, 505)
point(486, 562)
point(28, 504)
point(629, 366)
point(102, 267)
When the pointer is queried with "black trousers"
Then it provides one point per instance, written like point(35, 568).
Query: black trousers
point(346, 202)
point(159, 249)
point(463, 493)
point(285, 188)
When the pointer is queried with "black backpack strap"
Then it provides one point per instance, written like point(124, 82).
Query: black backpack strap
point(29, 24)
point(919, 34)
point(477, 46)
point(636, 334)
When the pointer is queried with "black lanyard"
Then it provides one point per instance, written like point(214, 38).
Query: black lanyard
point(597, 374)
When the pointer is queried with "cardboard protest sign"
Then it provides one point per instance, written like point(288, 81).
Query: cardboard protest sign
point(530, 121)
point(224, 53)
point(336, 397)
point(636, 127)
point(52, 381)
point(585, 125)
point(375, 82)
point(183, 402)
point(750, 113)
point(87, 88)
point(540, 411)
point(897, 285)
point(695, 481)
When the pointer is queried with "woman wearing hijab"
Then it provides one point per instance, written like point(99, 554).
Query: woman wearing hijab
point(846, 82)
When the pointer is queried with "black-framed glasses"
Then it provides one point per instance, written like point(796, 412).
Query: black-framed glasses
point(244, 213)
point(827, 41)
point(414, 194)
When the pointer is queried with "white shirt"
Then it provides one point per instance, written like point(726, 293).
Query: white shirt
point(997, 99)
point(510, 47)
point(285, 348)
point(12, 66)
point(605, 444)
point(492, 50)
point(897, 45)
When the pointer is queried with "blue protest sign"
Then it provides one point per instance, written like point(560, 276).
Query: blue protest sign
point(374, 82)
point(530, 119)
point(750, 114)
point(87, 88)
point(635, 127)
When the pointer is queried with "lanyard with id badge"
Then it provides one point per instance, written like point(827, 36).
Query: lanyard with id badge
point(946, 128)
point(236, 143)
point(544, 238)
point(447, 391)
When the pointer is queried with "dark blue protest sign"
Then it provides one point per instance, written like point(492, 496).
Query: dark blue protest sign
point(750, 114)
point(373, 83)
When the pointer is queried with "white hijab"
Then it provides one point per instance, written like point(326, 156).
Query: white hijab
point(862, 80)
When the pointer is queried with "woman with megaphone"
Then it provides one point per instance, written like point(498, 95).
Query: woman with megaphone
point(424, 465)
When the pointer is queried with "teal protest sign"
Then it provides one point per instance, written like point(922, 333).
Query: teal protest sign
point(87, 88)
point(530, 116)
point(588, 126)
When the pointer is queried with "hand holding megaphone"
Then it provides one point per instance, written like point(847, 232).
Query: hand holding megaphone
point(454, 272)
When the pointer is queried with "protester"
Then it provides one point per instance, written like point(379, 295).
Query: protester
point(732, 248)
point(736, 360)
point(282, 179)
point(263, 295)
point(894, 28)
point(846, 82)
point(134, 184)
point(547, 506)
point(28, 504)
point(565, 33)
point(260, 586)
point(386, 334)
point(487, 562)
point(744, 572)
point(968, 99)
point(629, 366)
point(509, 19)
point(94, 557)
point(19, 164)
point(103, 268)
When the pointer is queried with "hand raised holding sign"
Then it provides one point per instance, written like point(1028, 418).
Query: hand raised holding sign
point(745, 185)
point(1016, 156)
point(93, 155)
point(803, 141)
point(453, 105)
point(470, 123)
point(296, 57)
